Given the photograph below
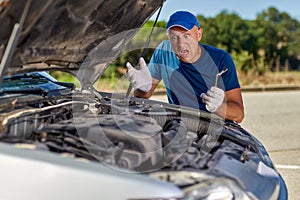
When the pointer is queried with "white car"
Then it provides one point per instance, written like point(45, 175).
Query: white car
point(58, 142)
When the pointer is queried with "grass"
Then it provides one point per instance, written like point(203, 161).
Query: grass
point(271, 79)
point(65, 77)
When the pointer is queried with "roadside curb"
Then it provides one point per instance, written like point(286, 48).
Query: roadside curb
point(251, 89)
point(269, 88)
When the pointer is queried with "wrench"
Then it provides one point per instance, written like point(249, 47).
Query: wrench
point(219, 75)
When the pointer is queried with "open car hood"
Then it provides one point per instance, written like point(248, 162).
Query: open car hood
point(71, 34)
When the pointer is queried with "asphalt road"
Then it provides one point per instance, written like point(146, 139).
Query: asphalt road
point(274, 118)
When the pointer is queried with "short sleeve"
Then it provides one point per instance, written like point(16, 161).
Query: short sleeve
point(229, 78)
point(153, 65)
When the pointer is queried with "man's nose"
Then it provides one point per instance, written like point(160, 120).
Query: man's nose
point(180, 42)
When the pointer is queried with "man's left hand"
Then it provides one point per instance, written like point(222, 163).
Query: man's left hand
point(213, 98)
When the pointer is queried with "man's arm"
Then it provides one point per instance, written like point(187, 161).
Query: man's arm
point(232, 108)
point(146, 95)
point(144, 85)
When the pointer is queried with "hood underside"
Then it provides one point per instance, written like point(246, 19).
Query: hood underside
point(71, 34)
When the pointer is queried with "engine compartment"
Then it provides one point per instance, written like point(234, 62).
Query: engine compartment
point(125, 133)
point(171, 143)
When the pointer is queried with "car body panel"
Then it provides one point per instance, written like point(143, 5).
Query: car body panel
point(40, 175)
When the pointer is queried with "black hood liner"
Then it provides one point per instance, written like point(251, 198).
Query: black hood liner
point(64, 32)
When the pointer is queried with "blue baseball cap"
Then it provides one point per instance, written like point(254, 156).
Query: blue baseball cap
point(183, 19)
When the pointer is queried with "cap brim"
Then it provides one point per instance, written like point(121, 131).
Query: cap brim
point(186, 26)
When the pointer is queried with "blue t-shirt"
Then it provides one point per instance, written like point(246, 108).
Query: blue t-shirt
point(185, 82)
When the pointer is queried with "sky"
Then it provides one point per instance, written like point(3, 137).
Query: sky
point(245, 9)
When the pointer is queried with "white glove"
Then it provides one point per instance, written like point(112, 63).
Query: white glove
point(139, 78)
point(213, 98)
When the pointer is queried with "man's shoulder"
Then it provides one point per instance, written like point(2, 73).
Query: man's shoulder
point(217, 54)
point(213, 50)
point(164, 51)
point(164, 55)
point(165, 45)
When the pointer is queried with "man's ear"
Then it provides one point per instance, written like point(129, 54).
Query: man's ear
point(200, 34)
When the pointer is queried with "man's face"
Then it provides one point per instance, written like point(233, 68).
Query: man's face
point(185, 43)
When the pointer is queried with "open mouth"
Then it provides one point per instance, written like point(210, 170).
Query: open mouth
point(184, 53)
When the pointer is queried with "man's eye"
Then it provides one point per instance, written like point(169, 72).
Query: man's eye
point(174, 37)
point(187, 36)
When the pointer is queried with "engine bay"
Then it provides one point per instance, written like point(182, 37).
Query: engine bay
point(133, 134)
point(168, 142)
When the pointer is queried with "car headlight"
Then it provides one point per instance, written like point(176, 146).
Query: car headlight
point(216, 189)
point(199, 186)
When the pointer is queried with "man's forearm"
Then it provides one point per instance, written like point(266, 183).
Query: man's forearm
point(146, 95)
point(141, 94)
point(231, 111)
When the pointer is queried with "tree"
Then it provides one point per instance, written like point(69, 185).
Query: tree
point(283, 40)
point(270, 42)
point(228, 30)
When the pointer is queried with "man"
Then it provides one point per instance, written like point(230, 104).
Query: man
point(189, 70)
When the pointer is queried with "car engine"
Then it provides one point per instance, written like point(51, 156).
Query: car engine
point(168, 142)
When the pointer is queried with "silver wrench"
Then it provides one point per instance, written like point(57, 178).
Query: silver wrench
point(219, 75)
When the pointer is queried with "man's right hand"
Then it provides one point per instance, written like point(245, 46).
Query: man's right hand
point(139, 78)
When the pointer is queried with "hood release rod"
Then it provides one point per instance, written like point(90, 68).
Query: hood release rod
point(13, 40)
point(146, 46)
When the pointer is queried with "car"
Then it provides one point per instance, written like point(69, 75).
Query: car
point(58, 141)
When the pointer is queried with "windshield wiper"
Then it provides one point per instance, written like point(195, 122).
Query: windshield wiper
point(27, 91)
